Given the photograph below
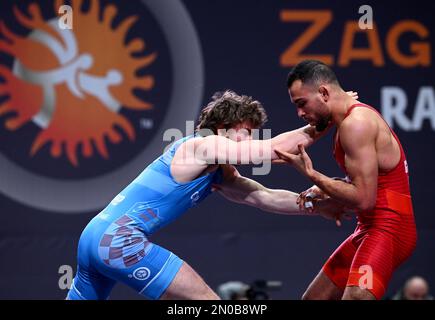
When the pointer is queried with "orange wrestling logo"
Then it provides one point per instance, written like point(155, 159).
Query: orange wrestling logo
point(73, 83)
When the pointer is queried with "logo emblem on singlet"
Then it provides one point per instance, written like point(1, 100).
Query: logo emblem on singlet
point(194, 197)
point(141, 273)
point(406, 166)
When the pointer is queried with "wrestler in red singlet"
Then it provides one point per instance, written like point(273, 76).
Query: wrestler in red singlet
point(384, 237)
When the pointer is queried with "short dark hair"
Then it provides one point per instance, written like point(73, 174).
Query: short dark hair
point(228, 109)
point(312, 71)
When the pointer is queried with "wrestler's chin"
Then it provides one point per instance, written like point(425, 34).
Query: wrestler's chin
point(321, 125)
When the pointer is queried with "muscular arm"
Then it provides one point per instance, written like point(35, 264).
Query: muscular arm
point(218, 149)
point(247, 191)
point(358, 137)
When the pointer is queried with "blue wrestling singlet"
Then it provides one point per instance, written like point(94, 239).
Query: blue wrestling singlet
point(114, 246)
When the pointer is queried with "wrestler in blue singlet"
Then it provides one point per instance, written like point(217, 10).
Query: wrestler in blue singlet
point(114, 246)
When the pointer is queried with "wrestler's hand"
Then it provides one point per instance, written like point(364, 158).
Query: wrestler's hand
point(353, 94)
point(305, 198)
point(301, 161)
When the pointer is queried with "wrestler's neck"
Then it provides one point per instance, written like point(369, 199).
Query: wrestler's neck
point(340, 106)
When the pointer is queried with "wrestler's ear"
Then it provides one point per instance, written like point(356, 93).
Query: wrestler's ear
point(324, 92)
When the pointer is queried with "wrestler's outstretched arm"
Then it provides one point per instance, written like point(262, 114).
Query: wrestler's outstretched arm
point(243, 190)
point(197, 154)
point(216, 149)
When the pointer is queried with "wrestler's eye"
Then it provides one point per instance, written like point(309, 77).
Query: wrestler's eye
point(301, 104)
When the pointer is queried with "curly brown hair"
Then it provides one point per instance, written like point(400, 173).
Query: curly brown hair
point(228, 109)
